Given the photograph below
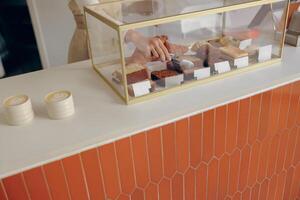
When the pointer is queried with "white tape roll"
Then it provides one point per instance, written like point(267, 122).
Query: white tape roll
point(18, 110)
point(60, 104)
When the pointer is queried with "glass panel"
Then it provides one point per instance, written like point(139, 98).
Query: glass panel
point(105, 51)
point(126, 12)
point(201, 47)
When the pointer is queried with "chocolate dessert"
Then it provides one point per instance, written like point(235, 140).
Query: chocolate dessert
point(157, 75)
point(134, 73)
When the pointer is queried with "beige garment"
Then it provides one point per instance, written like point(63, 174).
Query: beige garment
point(104, 40)
point(78, 49)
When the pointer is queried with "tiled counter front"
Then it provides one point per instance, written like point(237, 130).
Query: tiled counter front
point(249, 149)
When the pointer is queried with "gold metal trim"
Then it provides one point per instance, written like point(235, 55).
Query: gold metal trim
point(109, 83)
point(123, 62)
point(285, 26)
point(103, 19)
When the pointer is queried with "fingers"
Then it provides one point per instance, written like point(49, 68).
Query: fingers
point(160, 52)
point(165, 50)
point(154, 52)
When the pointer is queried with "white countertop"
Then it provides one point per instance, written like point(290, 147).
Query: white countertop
point(101, 117)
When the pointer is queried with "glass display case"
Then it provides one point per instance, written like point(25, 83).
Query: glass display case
point(146, 48)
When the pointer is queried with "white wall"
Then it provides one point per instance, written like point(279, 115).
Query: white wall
point(54, 25)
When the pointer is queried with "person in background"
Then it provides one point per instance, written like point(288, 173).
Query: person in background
point(3, 53)
point(78, 49)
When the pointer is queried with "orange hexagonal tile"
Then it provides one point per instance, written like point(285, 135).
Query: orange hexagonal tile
point(189, 184)
point(244, 168)
point(123, 197)
point(137, 194)
point(182, 145)
point(254, 117)
point(264, 115)
point(15, 187)
point(2, 192)
point(264, 188)
point(243, 126)
point(208, 135)
point(232, 126)
point(108, 164)
point(36, 184)
point(220, 131)
point(237, 196)
point(195, 139)
point(177, 187)
point(246, 194)
point(255, 192)
point(154, 153)
point(274, 112)
point(151, 192)
point(165, 189)
point(55, 177)
point(291, 148)
point(90, 161)
point(296, 158)
point(169, 150)
point(212, 179)
point(233, 172)
point(140, 159)
point(125, 165)
point(272, 157)
point(272, 187)
point(295, 186)
point(223, 176)
point(280, 186)
point(282, 151)
point(263, 160)
point(75, 177)
point(284, 106)
point(201, 181)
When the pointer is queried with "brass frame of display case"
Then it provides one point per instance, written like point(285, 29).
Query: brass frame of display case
point(122, 28)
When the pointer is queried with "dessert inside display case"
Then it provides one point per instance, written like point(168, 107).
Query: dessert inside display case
point(145, 48)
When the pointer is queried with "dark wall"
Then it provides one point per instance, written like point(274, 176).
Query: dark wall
point(17, 32)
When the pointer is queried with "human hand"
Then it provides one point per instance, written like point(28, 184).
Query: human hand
point(152, 47)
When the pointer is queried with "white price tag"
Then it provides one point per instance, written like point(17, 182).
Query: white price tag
point(245, 43)
point(174, 80)
point(265, 53)
point(222, 67)
point(241, 62)
point(202, 73)
point(141, 88)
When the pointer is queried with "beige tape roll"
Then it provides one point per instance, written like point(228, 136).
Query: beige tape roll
point(18, 110)
point(59, 104)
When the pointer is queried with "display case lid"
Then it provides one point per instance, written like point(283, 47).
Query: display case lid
point(140, 13)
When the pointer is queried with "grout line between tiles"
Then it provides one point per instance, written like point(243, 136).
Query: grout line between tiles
point(117, 166)
point(25, 185)
point(101, 172)
point(46, 182)
point(65, 177)
point(133, 163)
point(84, 176)
point(4, 189)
